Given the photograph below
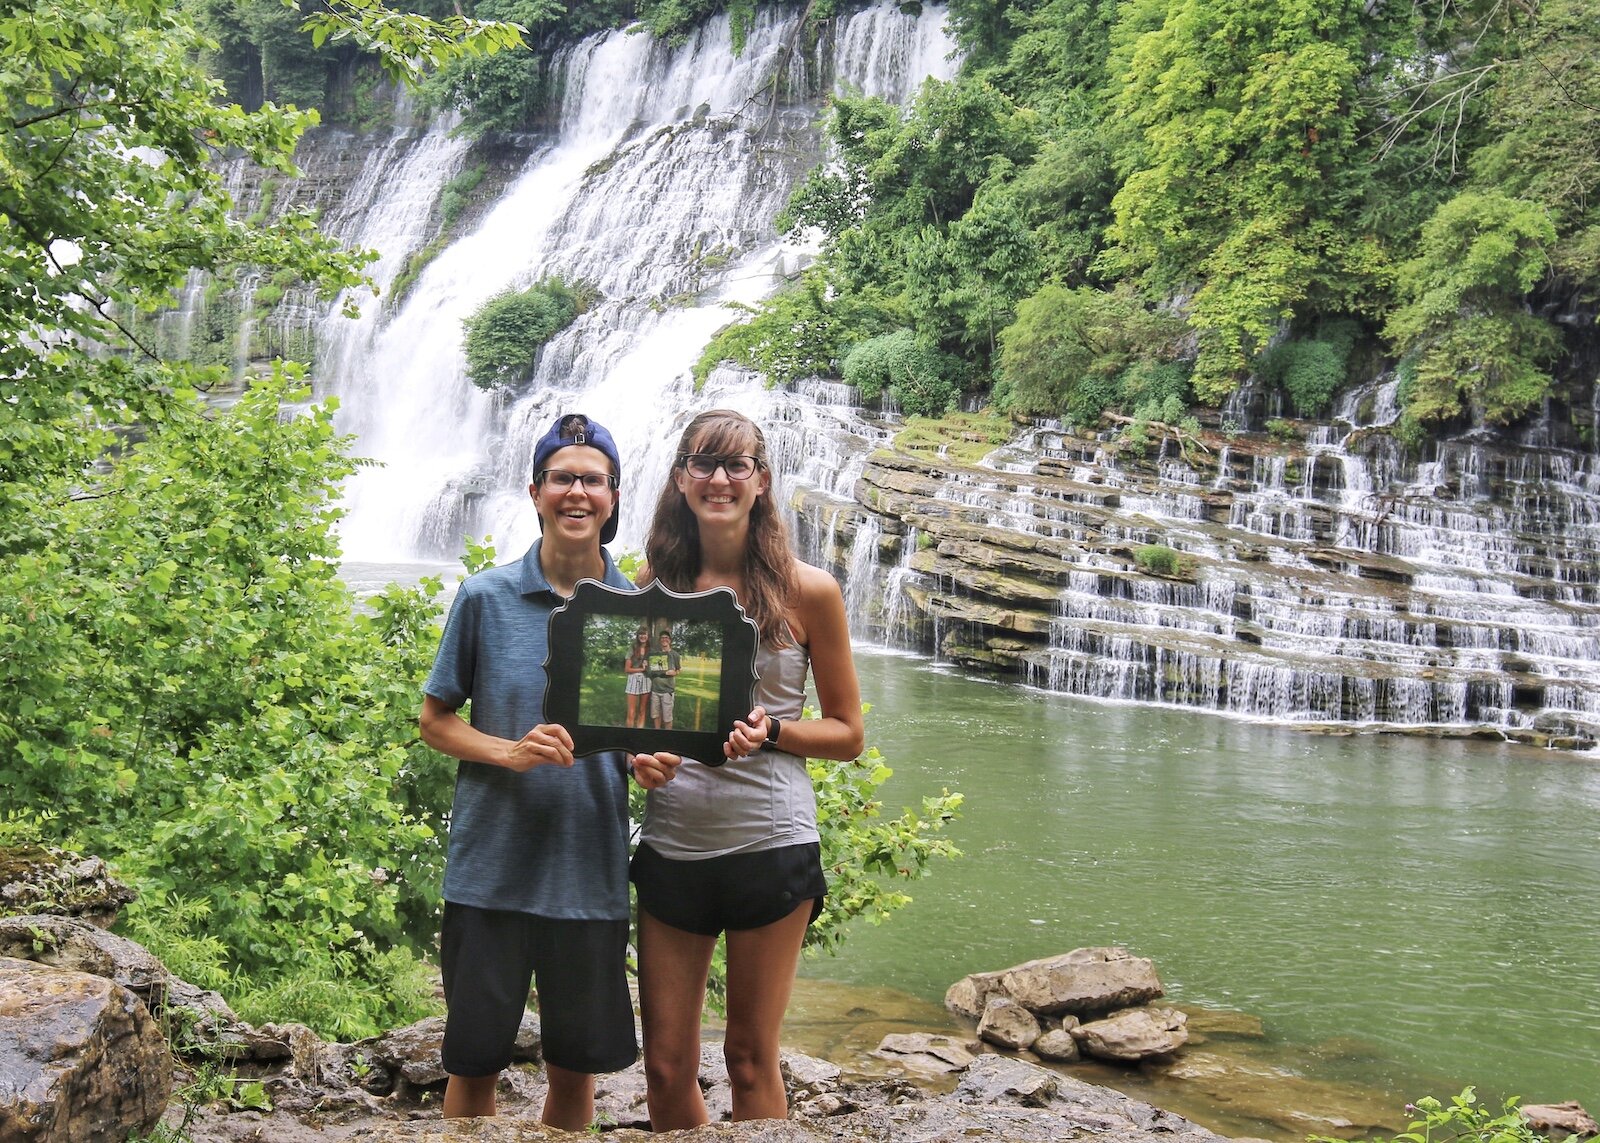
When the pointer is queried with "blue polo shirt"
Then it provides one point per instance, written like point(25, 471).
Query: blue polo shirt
point(553, 840)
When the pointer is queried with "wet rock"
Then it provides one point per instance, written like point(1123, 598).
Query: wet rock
point(1008, 1024)
point(77, 945)
point(81, 1059)
point(1083, 982)
point(1134, 1034)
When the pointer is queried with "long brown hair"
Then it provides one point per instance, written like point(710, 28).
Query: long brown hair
point(673, 549)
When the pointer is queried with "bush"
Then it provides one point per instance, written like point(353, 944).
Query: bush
point(1158, 559)
point(916, 376)
point(1310, 370)
point(505, 335)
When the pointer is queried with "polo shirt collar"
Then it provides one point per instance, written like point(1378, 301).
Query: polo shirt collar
point(533, 580)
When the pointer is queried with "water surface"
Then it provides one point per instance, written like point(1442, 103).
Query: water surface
point(1407, 914)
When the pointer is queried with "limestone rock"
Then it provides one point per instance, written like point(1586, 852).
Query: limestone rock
point(967, 996)
point(79, 946)
point(80, 1057)
point(1569, 1117)
point(925, 1052)
point(1133, 1034)
point(1058, 1046)
point(40, 879)
point(1008, 1024)
point(1083, 982)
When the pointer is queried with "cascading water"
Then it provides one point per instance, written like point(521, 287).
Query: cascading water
point(659, 192)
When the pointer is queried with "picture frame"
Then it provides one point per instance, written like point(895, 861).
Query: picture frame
point(706, 668)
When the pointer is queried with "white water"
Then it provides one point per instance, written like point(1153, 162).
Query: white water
point(664, 157)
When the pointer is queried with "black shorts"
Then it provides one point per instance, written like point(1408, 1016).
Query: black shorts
point(739, 891)
point(489, 958)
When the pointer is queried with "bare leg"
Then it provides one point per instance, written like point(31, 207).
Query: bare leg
point(469, 1095)
point(568, 1100)
point(672, 990)
point(761, 967)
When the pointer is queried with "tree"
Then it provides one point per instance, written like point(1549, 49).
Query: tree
point(1242, 167)
point(1470, 344)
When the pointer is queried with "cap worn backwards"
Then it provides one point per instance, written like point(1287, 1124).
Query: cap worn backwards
point(576, 429)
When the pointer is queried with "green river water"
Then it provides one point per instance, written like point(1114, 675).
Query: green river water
point(1405, 916)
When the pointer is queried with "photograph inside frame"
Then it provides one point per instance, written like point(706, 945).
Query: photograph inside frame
point(650, 670)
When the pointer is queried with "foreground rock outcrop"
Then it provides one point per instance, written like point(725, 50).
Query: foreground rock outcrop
point(1092, 1001)
point(81, 1058)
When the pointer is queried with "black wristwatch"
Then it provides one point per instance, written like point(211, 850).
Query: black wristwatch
point(773, 723)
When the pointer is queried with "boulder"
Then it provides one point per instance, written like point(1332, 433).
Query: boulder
point(43, 879)
point(81, 1059)
point(1568, 1117)
point(79, 946)
point(1133, 1034)
point(1084, 982)
point(967, 996)
point(1008, 1024)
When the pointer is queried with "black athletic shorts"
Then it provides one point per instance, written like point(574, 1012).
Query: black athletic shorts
point(739, 891)
point(489, 957)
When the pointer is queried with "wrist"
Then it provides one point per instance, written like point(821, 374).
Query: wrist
point(774, 725)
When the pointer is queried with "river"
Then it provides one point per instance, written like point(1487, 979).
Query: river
point(1405, 916)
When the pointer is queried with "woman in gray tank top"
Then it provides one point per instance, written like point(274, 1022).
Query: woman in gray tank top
point(734, 848)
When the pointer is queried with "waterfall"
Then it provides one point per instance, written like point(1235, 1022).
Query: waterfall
point(658, 191)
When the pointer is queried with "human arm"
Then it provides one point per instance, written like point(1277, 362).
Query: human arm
point(447, 732)
point(818, 620)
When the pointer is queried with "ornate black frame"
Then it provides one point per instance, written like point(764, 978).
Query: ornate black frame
point(565, 662)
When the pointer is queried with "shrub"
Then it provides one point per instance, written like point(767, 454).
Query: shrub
point(505, 335)
point(1158, 559)
point(918, 377)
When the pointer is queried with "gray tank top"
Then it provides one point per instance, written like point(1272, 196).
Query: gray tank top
point(761, 801)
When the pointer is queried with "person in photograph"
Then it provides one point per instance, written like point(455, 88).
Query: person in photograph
point(535, 883)
point(734, 848)
point(665, 664)
point(636, 667)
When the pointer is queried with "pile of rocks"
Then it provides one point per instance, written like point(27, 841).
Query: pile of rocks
point(1088, 1002)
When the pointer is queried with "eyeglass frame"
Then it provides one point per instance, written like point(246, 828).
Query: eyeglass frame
point(542, 477)
point(720, 460)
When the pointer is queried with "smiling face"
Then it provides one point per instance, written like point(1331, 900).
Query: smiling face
point(718, 499)
point(574, 516)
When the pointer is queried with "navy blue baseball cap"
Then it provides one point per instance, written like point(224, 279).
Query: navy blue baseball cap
point(576, 429)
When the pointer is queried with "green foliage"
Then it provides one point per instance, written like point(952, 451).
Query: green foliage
point(1310, 370)
point(1158, 559)
point(1462, 1121)
point(505, 334)
point(187, 679)
point(865, 853)
point(1067, 348)
point(798, 332)
point(918, 378)
point(1242, 167)
point(458, 193)
point(1474, 347)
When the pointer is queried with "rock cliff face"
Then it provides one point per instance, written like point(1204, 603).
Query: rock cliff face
point(1309, 577)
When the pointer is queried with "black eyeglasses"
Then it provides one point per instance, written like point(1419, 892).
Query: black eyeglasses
point(562, 480)
point(704, 465)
